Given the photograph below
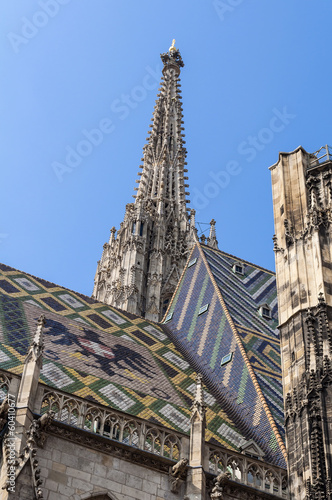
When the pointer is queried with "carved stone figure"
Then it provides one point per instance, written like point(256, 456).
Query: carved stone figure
point(177, 472)
point(220, 481)
point(39, 427)
point(4, 407)
point(179, 467)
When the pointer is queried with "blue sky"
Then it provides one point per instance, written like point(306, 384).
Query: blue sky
point(256, 81)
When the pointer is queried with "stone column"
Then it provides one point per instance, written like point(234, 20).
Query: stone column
point(29, 385)
point(17, 435)
point(196, 480)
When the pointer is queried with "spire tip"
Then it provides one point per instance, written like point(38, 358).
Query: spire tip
point(172, 47)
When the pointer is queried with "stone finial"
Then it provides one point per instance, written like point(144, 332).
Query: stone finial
point(199, 389)
point(321, 300)
point(212, 234)
point(112, 237)
point(172, 47)
point(199, 406)
point(192, 217)
point(212, 239)
point(37, 346)
point(172, 58)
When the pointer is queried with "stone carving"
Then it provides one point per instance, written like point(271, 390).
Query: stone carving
point(198, 409)
point(179, 467)
point(304, 405)
point(4, 407)
point(178, 473)
point(41, 426)
point(36, 437)
point(37, 346)
point(289, 236)
point(220, 481)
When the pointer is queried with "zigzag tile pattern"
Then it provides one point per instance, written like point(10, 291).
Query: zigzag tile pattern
point(243, 294)
point(264, 356)
point(207, 338)
point(102, 354)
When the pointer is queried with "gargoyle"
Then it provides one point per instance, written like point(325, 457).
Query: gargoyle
point(4, 407)
point(39, 427)
point(179, 467)
point(220, 481)
point(177, 471)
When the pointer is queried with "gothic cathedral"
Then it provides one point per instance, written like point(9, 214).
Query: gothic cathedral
point(190, 374)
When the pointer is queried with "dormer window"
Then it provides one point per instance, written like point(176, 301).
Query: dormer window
point(203, 309)
point(168, 317)
point(238, 268)
point(251, 449)
point(192, 262)
point(265, 311)
point(226, 359)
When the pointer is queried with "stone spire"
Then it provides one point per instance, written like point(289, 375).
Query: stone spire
point(212, 239)
point(141, 266)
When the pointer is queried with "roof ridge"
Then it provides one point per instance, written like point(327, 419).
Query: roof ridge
point(246, 359)
point(217, 250)
point(95, 301)
point(51, 282)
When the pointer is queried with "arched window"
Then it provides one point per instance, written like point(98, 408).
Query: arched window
point(101, 495)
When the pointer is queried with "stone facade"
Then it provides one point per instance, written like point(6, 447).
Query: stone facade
point(302, 199)
point(64, 458)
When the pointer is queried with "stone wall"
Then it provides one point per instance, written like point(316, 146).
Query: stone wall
point(74, 472)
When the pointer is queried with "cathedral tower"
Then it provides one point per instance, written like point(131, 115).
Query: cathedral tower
point(302, 199)
point(141, 265)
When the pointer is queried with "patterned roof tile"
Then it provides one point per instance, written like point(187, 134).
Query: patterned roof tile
point(102, 354)
point(234, 347)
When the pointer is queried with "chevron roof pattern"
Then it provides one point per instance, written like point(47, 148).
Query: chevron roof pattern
point(215, 320)
point(105, 355)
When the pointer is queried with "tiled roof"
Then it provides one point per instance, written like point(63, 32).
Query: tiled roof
point(100, 353)
point(248, 386)
point(243, 295)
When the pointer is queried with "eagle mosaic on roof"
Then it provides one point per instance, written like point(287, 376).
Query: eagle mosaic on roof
point(104, 355)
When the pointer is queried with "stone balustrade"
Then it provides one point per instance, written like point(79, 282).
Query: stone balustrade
point(138, 433)
point(249, 471)
point(113, 424)
point(159, 440)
